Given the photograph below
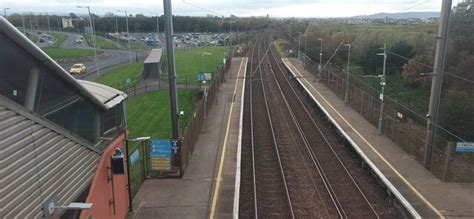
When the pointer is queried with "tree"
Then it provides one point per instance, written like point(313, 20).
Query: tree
point(411, 71)
point(395, 62)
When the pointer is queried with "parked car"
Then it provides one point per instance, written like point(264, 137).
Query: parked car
point(79, 41)
point(41, 40)
point(78, 69)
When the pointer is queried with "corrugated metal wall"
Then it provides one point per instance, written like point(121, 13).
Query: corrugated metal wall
point(37, 163)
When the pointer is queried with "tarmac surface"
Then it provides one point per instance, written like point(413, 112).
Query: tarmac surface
point(193, 195)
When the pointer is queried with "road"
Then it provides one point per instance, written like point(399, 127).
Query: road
point(70, 41)
point(111, 59)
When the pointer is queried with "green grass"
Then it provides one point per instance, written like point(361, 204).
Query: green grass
point(137, 45)
point(61, 53)
point(60, 38)
point(149, 114)
point(101, 42)
point(415, 98)
point(33, 38)
point(117, 76)
point(189, 62)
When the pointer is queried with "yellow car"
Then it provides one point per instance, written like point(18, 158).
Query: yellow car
point(78, 69)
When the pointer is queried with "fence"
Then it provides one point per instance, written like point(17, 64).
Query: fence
point(137, 163)
point(190, 134)
point(402, 125)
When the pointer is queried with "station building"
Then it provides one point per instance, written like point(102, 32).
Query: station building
point(58, 136)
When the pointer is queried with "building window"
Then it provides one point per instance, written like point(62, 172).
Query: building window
point(15, 68)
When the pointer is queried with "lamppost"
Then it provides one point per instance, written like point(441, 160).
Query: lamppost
point(116, 27)
point(299, 44)
point(320, 57)
point(93, 39)
point(382, 84)
point(157, 22)
point(128, 33)
point(5, 12)
point(205, 91)
point(305, 51)
point(202, 64)
point(49, 26)
point(23, 23)
point(346, 96)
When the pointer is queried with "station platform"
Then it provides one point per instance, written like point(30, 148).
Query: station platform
point(429, 197)
point(207, 187)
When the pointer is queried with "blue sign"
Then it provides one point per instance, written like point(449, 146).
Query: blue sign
point(464, 146)
point(201, 77)
point(160, 154)
point(135, 157)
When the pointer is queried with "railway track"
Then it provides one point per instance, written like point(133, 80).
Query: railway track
point(292, 166)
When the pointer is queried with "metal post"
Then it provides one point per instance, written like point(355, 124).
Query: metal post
point(5, 12)
point(172, 74)
point(23, 23)
point(49, 26)
point(128, 36)
point(305, 51)
point(437, 80)
point(31, 23)
point(346, 96)
point(299, 44)
point(91, 21)
point(116, 27)
point(230, 34)
point(94, 42)
point(36, 19)
point(382, 84)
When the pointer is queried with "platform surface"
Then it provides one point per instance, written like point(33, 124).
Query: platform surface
point(431, 197)
point(192, 196)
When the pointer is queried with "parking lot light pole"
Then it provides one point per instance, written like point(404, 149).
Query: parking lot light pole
point(320, 56)
point(5, 12)
point(93, 39)
point(157, 22)
point(299, 45)
point(128, 34)
point(116, 28)
point(346, 95)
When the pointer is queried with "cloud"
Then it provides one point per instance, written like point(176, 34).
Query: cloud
point(275, 8)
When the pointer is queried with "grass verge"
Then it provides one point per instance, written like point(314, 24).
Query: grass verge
point(150, 114)
point(190, 62)
point(116, 76)
point(101, 42)
point(60, 38)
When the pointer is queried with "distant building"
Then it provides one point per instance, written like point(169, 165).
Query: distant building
point(67, 23)
point(57, 136)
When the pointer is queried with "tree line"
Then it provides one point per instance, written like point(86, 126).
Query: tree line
point(141, 23)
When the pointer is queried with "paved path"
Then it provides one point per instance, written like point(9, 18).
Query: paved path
point(190, 197)
point(428, 195)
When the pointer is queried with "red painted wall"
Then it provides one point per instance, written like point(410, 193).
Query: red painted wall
point(101, 193)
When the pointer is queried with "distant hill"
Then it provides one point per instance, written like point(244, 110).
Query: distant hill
point(405, 15)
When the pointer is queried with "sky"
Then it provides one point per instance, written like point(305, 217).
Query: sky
point(243, 8)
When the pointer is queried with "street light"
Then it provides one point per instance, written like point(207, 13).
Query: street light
point(5, 12)
point(320, 56)
point(382, 84)
point(157, 22)
point(202, 60)
point(346, 96)
point(116, 27)
point(93, 39)
point(128, 33)
point(299, 44)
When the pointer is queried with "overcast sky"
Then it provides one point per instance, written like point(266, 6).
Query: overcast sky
point(275, 8)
